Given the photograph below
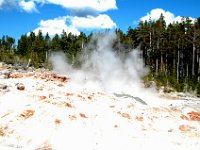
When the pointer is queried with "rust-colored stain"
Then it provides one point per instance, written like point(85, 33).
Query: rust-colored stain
point(139, 118)
point(57, 121)
point(68, 105)
point(16, 75)
point(72, 117)
point(186, 128)
point(29, 74)
point(27, 114)
point(2, 131)
point(53, 77)
point(184, 117)
point(90, 97)
point(81, 97)
point(125, 115)
point(69, 94)
point(83, 115)
point(51, 95)
point(45, 146)
point(42, 97)
point(194, 116)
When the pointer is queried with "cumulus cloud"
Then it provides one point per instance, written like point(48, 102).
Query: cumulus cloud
point(102, 21)
point(169, 17)
point(76, 6)
point(84, 14)
point(73, 24)
point(7, 4)
point(98, 5)
point(1, 2)
point(28, 6)
point(54, 26)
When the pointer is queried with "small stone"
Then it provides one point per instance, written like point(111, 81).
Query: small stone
point(20, 87)
point(3, 87)
point(90, 97)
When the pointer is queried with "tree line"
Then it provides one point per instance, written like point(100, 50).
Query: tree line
point(171, 52)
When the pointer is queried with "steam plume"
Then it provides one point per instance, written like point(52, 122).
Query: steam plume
point(102, 69)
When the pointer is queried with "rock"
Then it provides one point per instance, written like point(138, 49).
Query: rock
point(90, 97)
point(20, 87)
point(3, 87)
point(4, 73)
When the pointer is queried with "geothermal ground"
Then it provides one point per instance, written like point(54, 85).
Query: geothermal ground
point(42, 110)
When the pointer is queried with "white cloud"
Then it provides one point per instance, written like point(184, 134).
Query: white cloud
point(73, 24)
point(54, 26)
point(77, 5)
point(1, 2)
point(168, 16)
point(98, 5)
point(102, 21)
point(28, 6)
point(7, 4)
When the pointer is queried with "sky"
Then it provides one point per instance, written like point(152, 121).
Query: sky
point(19, 17)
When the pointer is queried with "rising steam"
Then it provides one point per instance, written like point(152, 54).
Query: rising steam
point(102, 69)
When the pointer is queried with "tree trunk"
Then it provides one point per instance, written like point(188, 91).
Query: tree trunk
point(156, 66)
point(193, 59)
point(199, 70)
point(187, 70)
point(166, 66)
point(150, 43)
point(177, 69)
point(161, 63)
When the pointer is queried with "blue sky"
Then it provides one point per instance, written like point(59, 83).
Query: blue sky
point(22, 16)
